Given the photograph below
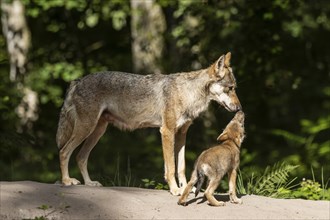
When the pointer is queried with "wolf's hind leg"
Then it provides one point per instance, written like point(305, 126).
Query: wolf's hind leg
point(81, 130)
point(65, 154)
point(213, 184)
point(79, 134)
point(89, 144)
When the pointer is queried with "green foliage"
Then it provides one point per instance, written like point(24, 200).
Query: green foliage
point(275, 182)
point(92, 12)
point(151, 184)
point(268, 183)
point(283, 84)
point(308, 189)
point(44, 207)
point(312, 140)
point(43, 80)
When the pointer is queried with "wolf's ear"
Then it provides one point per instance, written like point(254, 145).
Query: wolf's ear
point(227, 59)
point(219, 67)
point(222, 137)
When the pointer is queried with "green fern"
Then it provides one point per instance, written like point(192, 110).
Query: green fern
point(273, 178)
point(267, 184)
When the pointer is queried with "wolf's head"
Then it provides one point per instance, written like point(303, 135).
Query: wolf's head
point(234, 130)
point(223, 84)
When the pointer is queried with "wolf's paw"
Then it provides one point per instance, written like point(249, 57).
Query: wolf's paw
point(182, 202)
point(175, 191)
point(93, 183)
point(70, 181)
point(237, 201)
point(217, 203)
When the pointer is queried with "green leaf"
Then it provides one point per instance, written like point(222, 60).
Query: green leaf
point(92, 20)
point(118, 19)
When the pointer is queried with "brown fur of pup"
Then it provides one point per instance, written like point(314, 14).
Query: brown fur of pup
point(215, 162)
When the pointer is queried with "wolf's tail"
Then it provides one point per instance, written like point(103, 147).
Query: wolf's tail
point(67, 117)
point(200, 181)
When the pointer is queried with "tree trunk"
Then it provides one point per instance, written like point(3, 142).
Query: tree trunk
point(17, 34)
point(147, 26)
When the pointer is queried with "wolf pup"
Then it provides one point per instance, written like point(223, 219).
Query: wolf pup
point(130, 101)
point(217, 161)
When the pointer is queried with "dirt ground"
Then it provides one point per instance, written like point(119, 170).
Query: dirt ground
point(28, 200)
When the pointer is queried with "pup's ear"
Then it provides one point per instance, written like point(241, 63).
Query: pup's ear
point(227, 59)
point(222, 137)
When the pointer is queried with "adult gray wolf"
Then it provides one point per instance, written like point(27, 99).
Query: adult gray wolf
point(130, 101)
point(215, 162)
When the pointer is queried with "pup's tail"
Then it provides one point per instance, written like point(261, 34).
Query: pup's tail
point(200, 181)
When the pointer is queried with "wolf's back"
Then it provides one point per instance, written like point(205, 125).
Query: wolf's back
point(67, 117)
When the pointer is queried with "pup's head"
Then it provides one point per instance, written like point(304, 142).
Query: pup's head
point(223, 84)
point(234, 130)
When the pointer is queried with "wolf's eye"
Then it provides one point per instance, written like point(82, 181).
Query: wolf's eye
point(228, 89)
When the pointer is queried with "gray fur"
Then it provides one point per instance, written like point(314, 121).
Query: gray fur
point(130, 101)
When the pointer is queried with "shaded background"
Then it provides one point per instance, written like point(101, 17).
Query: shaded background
point(280, 57)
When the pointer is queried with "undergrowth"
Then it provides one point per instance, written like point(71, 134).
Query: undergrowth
point(275, 182)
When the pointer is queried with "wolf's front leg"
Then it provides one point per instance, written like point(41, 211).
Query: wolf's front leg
point(181, 168)
point(168, 152)
point(180, 142)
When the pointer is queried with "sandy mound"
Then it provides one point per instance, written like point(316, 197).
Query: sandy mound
point(27, 200)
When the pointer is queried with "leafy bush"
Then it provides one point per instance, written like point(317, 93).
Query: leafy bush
point(308, 189)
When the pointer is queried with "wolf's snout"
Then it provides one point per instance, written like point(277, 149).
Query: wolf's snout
point(236, 108)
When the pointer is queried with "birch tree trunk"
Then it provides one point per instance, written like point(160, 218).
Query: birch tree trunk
point(17, 35)
point(18, 39)
point(147, 26)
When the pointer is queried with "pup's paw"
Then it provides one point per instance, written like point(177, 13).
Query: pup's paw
point(93, 183)
point(70, 181)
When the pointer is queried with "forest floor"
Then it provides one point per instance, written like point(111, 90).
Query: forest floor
point(33, 200)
